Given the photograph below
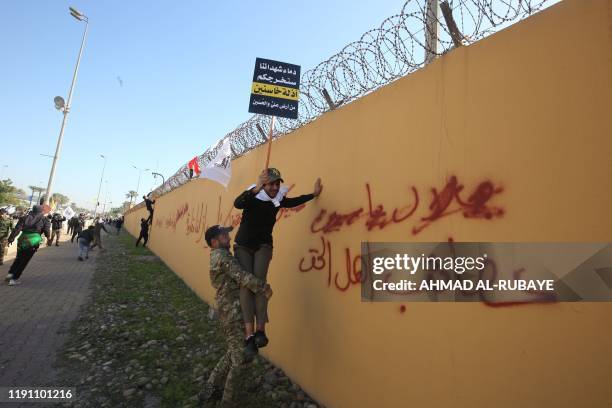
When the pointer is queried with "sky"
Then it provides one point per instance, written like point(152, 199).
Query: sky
point(159, 82)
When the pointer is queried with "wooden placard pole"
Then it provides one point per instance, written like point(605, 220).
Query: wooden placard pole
point(270, 141)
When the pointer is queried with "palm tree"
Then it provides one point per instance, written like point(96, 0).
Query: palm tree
point(131, 194)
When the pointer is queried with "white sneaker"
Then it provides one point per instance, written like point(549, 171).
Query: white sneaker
point(14, 282)
point(8, 277)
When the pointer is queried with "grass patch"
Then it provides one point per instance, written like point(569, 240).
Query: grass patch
point(144, 339)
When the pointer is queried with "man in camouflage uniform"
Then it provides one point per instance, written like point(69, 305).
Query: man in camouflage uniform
point(227, 276)
point(6, 226)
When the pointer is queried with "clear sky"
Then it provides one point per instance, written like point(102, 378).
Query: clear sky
point(158, 83)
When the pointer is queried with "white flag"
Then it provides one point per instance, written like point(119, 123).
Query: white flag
point(68, 213)
point(219, 169)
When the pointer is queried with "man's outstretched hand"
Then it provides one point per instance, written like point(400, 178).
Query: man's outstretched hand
point(318, 187)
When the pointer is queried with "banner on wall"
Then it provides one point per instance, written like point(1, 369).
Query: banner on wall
point(219, 169)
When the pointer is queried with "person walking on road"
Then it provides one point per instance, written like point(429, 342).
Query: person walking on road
point(228, 277)
point(30, 229)
point(78, 226)
point(84, 240)
point(98, 227)
point(119, 224)
point(144, 232)
point(57, 224)
point(253, 244)
point(6, 226)
point(70, 223)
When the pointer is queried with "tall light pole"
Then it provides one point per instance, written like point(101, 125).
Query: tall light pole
point(160, 175)
point(59, 102)
point(105, 197)
point(139, 174)
point(100, 187)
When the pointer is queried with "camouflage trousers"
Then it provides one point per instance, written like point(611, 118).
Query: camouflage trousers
point(230, 373)
point(3, 249)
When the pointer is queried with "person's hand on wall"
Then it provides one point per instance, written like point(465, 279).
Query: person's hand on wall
point(268, 291)
point(318, 187)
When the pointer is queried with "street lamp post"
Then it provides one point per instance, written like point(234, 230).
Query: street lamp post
point(139, 174)
point(160, 175)
point(100, 187)
point(81, 17)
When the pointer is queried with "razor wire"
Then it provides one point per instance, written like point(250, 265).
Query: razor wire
point(382, 55)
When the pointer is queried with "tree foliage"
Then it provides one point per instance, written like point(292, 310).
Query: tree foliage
point(8, 193)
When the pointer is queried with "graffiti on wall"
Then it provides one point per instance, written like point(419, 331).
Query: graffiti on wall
point(197, 217)
point(442, 203)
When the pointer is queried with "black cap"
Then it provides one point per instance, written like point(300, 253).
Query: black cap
point(214, 232)
point(273, 175)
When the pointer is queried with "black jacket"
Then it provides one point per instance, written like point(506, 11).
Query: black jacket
point(31, 223)
point(149, 203)
point(144, 227)
point(56, 222)
point(259, 217)
point(87, 235)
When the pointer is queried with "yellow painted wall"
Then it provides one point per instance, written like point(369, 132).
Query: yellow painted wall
point(527, 109)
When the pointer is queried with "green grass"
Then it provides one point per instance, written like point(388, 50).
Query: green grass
point(135, 299)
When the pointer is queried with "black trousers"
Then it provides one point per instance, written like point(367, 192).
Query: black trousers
point(21, 261)
point(75, 232)
point(144, 236)
point(150, 219)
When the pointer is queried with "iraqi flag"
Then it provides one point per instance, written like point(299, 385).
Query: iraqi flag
point(194, 167)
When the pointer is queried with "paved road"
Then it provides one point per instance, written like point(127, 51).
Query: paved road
point(35, 316)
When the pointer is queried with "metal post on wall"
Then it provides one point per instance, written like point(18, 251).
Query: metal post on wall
point(431, 30)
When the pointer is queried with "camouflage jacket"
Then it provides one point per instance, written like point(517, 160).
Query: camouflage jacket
point(227, 276)
point(6, 226)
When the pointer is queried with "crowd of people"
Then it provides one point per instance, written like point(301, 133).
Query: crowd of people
point(34, 225)
point(240, 279)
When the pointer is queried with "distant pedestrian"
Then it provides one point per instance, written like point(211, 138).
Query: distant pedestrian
point(98, 227)
point(85, 239)
point(78, 226)
point(149, 203)
point(144, 232)
point(228, 277)
point(6, 226)
point(70, 223)
point(57, 224)
point(30, 229)
point(119, 224)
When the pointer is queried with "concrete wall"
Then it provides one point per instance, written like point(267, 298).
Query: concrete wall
point(522, 119)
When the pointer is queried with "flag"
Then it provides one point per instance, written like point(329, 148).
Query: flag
point(219, 169)
point(194, 167)
point(68, 213)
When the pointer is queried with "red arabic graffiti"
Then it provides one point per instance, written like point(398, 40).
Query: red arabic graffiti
point(446, 202)
point(173, 220)
point(322, 259)
point(475, 207)
point(376, 216)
